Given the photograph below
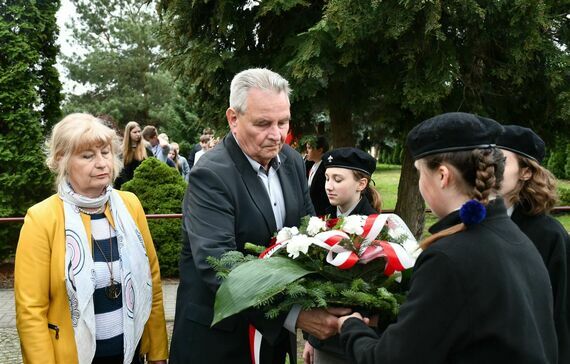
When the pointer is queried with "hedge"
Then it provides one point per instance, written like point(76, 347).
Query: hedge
point(161, 189)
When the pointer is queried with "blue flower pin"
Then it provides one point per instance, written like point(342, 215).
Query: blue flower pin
point(472, 212)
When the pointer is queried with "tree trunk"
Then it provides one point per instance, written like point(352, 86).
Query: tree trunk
point(340, 112)
point(410, 205)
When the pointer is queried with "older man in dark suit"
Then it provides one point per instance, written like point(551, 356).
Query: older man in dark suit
point(249, 186)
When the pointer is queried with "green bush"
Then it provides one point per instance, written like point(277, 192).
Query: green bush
point(567, 166)
point(557, 160)
point(160, 189)
point(564, 195)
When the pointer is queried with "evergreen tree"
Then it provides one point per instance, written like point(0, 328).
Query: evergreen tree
point(120, 67)
point(29, 105)
point(399, 62)
point(160, 190)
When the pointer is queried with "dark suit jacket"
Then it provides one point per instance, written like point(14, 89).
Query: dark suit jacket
point(478, 296)
point(553, 244)
point(225, 206)
point(192, 154)
point(318, 193)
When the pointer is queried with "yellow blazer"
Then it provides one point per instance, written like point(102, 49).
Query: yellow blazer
point(42, 310)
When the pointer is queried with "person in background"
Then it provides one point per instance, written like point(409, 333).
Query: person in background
point(87, 279)
point(244, 190)
point(316, 175)
point(158, 146)
point(134, 152)
point(179, 161)
point(348, 172)
point(529, 191)
point(213, 142)
point(205, 145)
point(348, 182)
point(198, 147)
point(479, 292)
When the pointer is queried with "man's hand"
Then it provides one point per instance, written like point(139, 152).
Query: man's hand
point(320, 323)
point(342, 319)
point(308, 353)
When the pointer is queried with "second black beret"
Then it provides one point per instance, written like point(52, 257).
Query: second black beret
point(451, 132)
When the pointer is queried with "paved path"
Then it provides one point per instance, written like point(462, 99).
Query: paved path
point(9, 341)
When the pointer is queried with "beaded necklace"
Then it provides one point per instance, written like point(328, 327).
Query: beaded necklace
point(113, 290)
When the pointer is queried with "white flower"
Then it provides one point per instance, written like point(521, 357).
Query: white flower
point(286, 233)
point(298, 244)
point(354, 224)
point(315, 226)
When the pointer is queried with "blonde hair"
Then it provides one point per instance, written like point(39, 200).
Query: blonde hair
point(75, 133)
point(174, 147)
point(129, 153)
point(537, 194)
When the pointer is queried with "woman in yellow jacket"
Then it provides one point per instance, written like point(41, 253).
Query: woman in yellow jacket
point(87, 280)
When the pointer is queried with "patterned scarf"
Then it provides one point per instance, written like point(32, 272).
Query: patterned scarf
point(135, 273)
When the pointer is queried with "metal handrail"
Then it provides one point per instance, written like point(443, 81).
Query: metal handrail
point(556, 210)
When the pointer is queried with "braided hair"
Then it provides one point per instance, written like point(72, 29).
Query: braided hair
point(481, 172)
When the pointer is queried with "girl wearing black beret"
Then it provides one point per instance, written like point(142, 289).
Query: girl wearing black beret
point(348, 172)
point(529, 191)
point(479, 292)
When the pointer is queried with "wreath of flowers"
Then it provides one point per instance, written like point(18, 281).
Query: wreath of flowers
point(357, 261)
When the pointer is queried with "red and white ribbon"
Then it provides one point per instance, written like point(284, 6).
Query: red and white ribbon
point(255, 339)
point(398, 257)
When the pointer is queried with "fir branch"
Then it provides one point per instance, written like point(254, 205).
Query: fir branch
point(253, 248)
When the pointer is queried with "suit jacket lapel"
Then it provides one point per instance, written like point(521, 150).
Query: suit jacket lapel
point(251, 181)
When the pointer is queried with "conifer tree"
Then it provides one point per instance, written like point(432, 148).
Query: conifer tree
point(29, 105)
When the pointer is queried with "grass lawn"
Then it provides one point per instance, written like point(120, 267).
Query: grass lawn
point(387, 177)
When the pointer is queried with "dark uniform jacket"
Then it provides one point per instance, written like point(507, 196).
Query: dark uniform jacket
point(553, 244)
point(479, 296)
point(362, 208)
point(318, 192)
point(128, 171)
point(332, 345)
point(225, 206)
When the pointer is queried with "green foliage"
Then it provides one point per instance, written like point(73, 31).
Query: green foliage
point(29, 105)
point(558, 159)
point(386, 64)
point(121, 68)
point(567, 165)
point(564, 195)
point(380, 62)
point(397, 154)
point(161, 189)
point(278, 283)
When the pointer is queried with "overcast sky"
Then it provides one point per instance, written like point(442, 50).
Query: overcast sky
point(65, 13)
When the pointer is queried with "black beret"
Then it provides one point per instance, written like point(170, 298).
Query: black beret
point(522, 141)
point(350, 158)
point(451, 132)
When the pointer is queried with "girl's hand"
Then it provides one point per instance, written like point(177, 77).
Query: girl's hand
point(308, 353)
point(342, 319)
